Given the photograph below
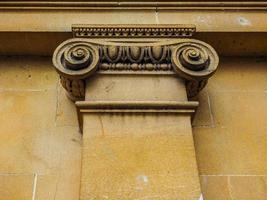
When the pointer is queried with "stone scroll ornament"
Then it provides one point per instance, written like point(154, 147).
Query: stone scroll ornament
point(78, 59)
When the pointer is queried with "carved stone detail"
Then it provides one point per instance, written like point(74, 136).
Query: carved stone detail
point(135, 54)
point(195, 62)
point(79, 58)
point(75, 61)
point(75, 88)
point(133, 31)
point(135, 67)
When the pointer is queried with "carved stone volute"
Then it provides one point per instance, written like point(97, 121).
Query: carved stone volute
point(77, 59)
point(194, 61)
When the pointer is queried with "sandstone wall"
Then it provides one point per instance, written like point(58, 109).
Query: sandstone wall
point(40, 146)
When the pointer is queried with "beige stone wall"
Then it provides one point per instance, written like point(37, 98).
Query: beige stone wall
point(40, 146)
point(230, 132)
point(39, 140)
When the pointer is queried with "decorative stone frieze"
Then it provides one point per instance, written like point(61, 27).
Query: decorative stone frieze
point(79, 58)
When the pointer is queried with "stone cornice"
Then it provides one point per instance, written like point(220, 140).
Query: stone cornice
point(151, 5)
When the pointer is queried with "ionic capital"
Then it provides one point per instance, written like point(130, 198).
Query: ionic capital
point(109, 51)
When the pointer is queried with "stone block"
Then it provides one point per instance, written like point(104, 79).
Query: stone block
point(224, 151)
point(62, 182)
point(248, 187)
point(239, 111)
point(16, 186)
point(138, 156)
point(27, 73)
point(215, 187)
point(234, 187)
point(27, 118)
point(135, 88)
point(242, 21)
point(240, 75)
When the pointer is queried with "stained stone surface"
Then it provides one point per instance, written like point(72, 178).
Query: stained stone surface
point(231, 187)
point(135, 156)
point(16, 186)
point(138, 157)
point(38, 135)
point(220, 21)
point(133, 87)
point(39, 155)
point(232, 151)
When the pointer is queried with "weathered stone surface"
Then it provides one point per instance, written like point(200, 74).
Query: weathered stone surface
point(207, 21)
point(219, 21)
point(138, 156)
point(16, 186)
point(240, 75)
point(31, 145)
point(66, 112)
point(234, 187)
point(225, 151)
point(62, 182)
point(236, 142)
point(248, 188)
point(236, 146)
point(231, 154)
point(26, 73)
point(234, 149)
point(215, 187)
point(204, 114)
point(146, 89)
point(26, 131)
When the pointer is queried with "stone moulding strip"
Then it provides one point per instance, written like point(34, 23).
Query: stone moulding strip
point(133, 30)
point(186, 107)
point(143, 73)
point(149, 5)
